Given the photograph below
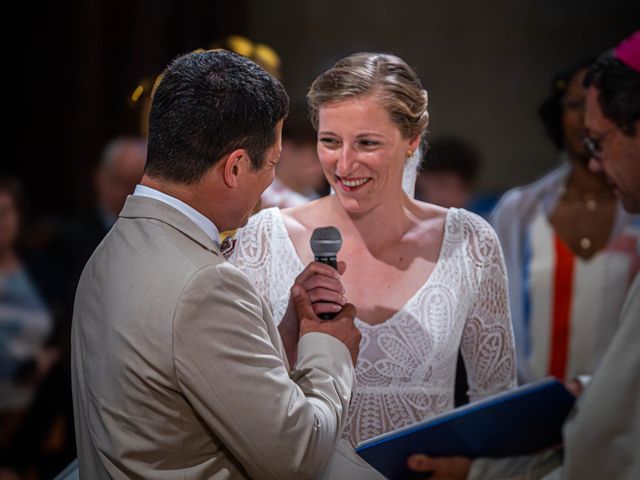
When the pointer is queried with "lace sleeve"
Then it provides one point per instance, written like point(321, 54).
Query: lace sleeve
point(251, 252)
point(487, 340)
point(263, 251)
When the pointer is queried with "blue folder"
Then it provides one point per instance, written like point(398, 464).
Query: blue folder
point(520, 421)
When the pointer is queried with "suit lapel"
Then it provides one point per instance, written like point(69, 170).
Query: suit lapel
point(145, 207)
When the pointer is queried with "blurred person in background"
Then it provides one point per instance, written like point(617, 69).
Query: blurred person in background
point(120, 169)
point(570, 250)
point(448, 173)
point(43, 441)
point(26, 321)
point(121, 166)
point(601, 436)
point(34, 329)
point(299, 177)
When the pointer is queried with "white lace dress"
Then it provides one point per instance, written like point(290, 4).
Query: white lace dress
point(406, 367)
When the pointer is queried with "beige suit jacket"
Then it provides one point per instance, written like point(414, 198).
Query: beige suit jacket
point(179, 370)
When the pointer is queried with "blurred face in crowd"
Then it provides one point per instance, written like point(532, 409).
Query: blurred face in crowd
point(9, 221)
point(614, 153)
point(119, 176)
point(300, 160)
point(362, 153)
point(447, 189)
point(573, 118)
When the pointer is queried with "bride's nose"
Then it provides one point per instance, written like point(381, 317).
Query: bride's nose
point(347, 161)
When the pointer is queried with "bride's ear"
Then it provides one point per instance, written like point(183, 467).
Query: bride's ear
point(414, 143)
point(234, 166)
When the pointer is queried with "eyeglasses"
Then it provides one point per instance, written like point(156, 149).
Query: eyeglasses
point(593, 146)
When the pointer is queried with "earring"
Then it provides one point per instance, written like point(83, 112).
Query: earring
point(409, 154)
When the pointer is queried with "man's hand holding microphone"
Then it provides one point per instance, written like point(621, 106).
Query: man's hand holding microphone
point(317, 302)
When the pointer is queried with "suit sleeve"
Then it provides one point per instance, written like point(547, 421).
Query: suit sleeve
point(276, 425)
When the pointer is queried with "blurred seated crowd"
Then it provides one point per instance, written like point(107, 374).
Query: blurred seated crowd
point(40, 264)
point(571, 253)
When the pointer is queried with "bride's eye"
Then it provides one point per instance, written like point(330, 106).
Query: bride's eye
point(369, 143)
point(329, 141)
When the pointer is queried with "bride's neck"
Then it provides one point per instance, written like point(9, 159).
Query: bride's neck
point(380, 227)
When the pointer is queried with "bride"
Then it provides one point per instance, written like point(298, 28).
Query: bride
point(427, 281)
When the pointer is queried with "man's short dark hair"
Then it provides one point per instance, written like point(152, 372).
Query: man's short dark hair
point(551, 110)
point(619, 91)
point(207, 105)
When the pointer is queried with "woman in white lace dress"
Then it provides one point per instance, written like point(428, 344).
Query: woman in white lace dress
point(427, 281)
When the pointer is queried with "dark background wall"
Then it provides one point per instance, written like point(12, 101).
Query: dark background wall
point(487, 66)
point(79, 63)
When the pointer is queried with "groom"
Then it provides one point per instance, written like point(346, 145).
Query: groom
point(178, 368)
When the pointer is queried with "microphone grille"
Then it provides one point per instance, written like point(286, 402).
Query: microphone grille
point(326, 241)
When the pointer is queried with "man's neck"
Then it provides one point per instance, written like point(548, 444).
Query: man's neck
point(169, 188)
point(194, 195)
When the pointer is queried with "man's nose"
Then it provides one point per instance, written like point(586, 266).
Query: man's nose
point(595, 165)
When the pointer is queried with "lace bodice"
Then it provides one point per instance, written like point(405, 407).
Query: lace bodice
point(406, 367)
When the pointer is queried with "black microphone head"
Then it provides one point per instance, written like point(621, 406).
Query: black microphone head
point(326, 241)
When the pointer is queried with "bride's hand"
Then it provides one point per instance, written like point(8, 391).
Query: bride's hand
point(324, 287)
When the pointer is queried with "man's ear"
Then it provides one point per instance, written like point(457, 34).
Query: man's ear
point(234, 165)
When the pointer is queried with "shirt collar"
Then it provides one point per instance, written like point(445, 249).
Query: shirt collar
point(206, 225)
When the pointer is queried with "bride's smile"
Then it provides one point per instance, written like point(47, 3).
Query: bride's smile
point(362, 152)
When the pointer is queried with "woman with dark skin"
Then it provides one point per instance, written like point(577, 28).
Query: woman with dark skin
point(569, 248)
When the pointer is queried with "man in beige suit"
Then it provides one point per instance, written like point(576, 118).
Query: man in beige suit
point(178, 368)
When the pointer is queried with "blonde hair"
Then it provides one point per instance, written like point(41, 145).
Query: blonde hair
point(388, 78)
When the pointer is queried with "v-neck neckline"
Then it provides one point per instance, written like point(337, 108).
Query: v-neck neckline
point(428, 280)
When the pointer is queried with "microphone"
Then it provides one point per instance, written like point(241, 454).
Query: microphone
point(325, 244)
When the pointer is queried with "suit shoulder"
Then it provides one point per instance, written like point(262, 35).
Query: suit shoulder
point(223, 278)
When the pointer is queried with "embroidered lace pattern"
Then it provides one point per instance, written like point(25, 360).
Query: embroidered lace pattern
point(406, 367)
